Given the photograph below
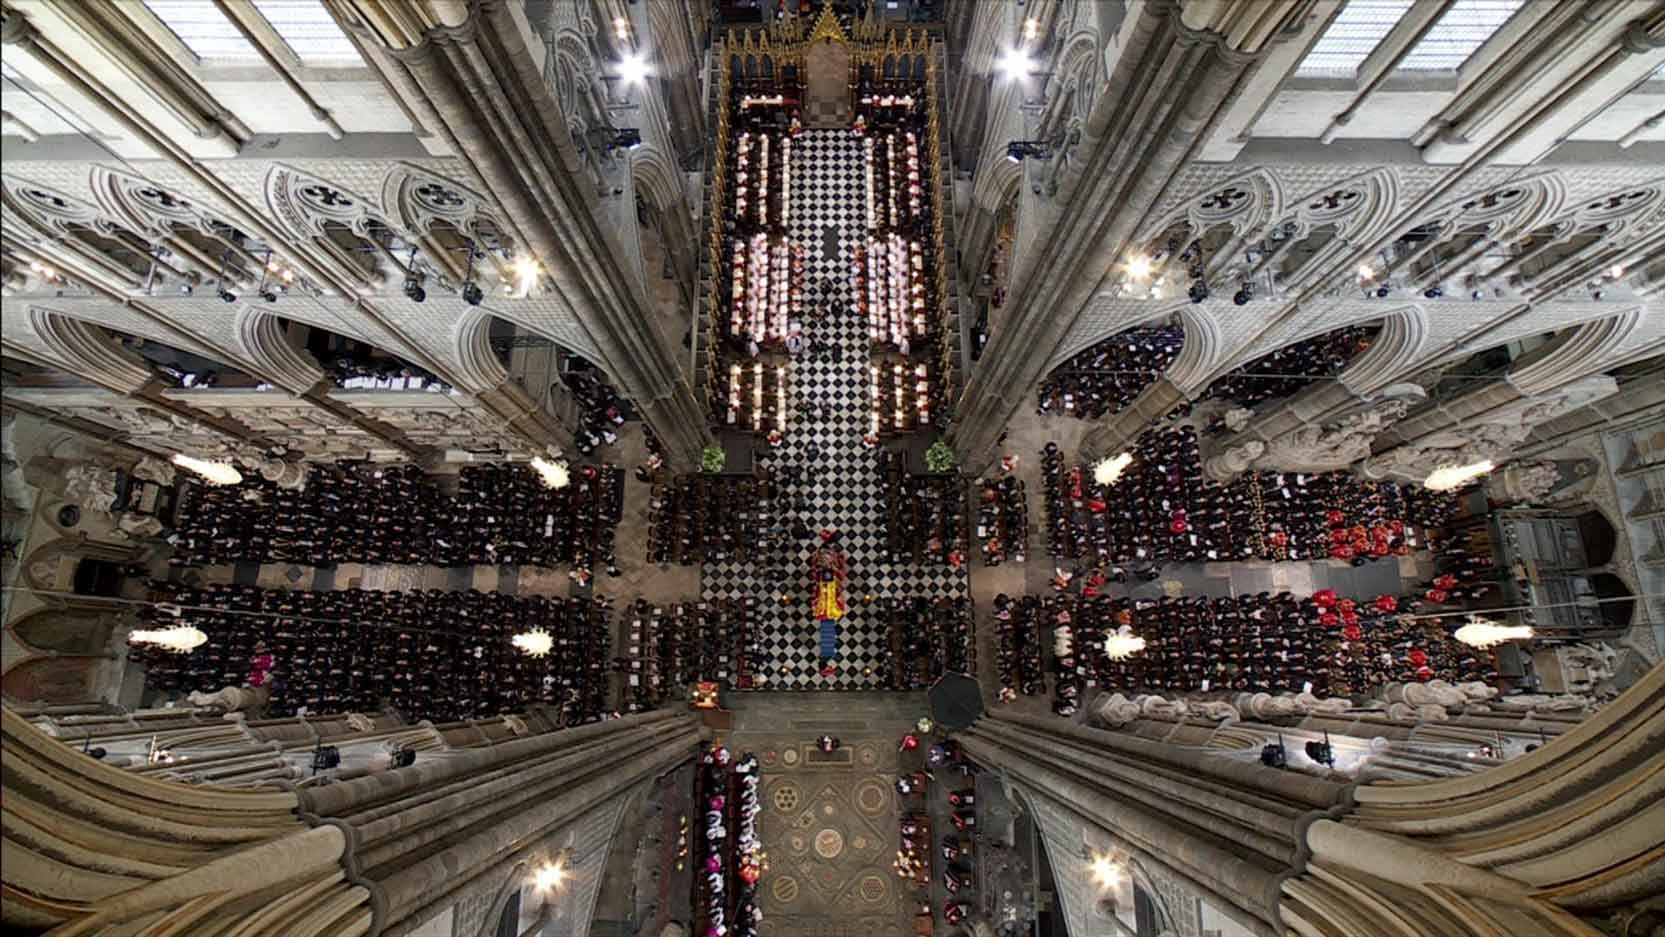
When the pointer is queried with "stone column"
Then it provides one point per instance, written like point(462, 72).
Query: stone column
point(1549, 844)
point(1116, 432)
point(1128, 156)
point(486, 87)
point(95, 847)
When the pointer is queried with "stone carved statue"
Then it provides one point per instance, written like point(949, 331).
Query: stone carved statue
point(1338, 445)
point(152, 469)
point(288, 475)
point(1116, 710)
point(1477, 690)
point(1217, 710)
point(1265, 705)
point(1237, 418)
point(92, 487)
point(1234, 460)
point(1161, 707)
point(1543, 702)
point(231, 699)
point(1525, 481)
point(1309, 705)
point(139, 525)
point(1429, 712)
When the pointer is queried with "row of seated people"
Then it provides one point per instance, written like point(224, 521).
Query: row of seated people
point(502, 514)
point(1104, 378)
point(1022, 631)
point(1163, 509)
point(727, 847)
point(601, 409)
point(1254, 642)
point(367, 372)
point(677, 645)
point(429, 654)
point(697, 518)
point(926, 517)
point(1002, 520)
point(929, 637)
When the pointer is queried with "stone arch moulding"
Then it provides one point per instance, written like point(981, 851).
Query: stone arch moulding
point(998, 182)
point(1201, 355)
point(1249, 202)
point(1087, 334)
point(1357, 209)
point(89, 352)
point(478, 364)
point(656, 178)
point(1395, 352)
point(261, 337)
point(1511, 209)
point(417, 197)
point(303, 203)
point(47, 211)
point(1577, 355)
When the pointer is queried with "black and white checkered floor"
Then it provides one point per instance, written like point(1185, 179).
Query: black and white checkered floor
point(841, 484)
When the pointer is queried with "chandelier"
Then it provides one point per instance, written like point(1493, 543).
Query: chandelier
point(1107, 471)
point(1123, 643)
point(180, 638)
point(1483, 633)
point(553, 474)
point(535, 643)
point(215, 473)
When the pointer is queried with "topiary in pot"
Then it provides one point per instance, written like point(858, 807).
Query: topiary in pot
point(712, 459)
point(939, 458)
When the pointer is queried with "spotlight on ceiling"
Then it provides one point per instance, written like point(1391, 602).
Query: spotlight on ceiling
point(414, 291)
point(634, 69)
point(227, 296)
point(1198, 291)
point(472, 294)
point(1014, 64)
point(1432, 292)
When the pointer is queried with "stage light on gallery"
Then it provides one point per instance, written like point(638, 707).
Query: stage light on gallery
point(1366, 273)
point(472, 294)
point(1481, 633)
point(553, 474)
point(227, 296)
point(1015, 64)
point(634, 69)
point(550, 876)
point(1107, 471)
point(1138, 266)
point(526, 271)
point(182, 639)
point(1456, 476)
point(414, 290)
point(215, 473)
point(1107, 872)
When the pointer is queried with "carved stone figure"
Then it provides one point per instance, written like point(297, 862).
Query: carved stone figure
point(1265, 705)
point(1161, 707)
point(152, 469)
point(138, 525)
point(92, 487)
point(288, 475)
point(1116, 710)
point(1320, 448)
point(1308, 704)
point(1216, 709)
point(231, 699)
point(1524, 482)
point(1238, 417)
point(1233, 460)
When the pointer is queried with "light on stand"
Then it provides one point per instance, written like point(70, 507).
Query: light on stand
point(215, 473)
point(180, 638)
point(1456, 476)
point(1014, 64)
point(1107, 471)
point(552, 474)
point(1481, 633)
point(1122, 644)
point(534, 643)
point(634, 69)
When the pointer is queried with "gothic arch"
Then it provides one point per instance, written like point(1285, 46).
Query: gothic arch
point(655, 178)
point(1577, 353)
point(1397, 348)
point(998, 181)
point(478, 364)
point(260, 336)
point(1201, 354)
point(1325, 223)
point(61, 630)
point(89, 352)
point(1247, 203)
point(48, 211)
point(415, 198)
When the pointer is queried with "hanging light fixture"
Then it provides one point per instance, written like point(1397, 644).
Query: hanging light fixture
point(1107, 471)
point(553, 474)
point(534, 643)
point(1456, 476)
point(215, 473)
point(1482, 633)
point(182, 639)
point(1122, 644)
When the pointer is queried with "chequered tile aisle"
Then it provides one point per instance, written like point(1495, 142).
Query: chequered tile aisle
point(842, 486)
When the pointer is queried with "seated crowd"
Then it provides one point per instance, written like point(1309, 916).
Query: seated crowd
point(501, 515)
point(674, 646)
point(601, 409)
point(926, 517)
point(929, 637)
point(1163, 509)
point(1105, 378)
point(429, 654)
point(1261, 642)
point(1002, 520)
point(695, 518)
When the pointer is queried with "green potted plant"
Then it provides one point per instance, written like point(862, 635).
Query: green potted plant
point(712, 459)
point(939, 458)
